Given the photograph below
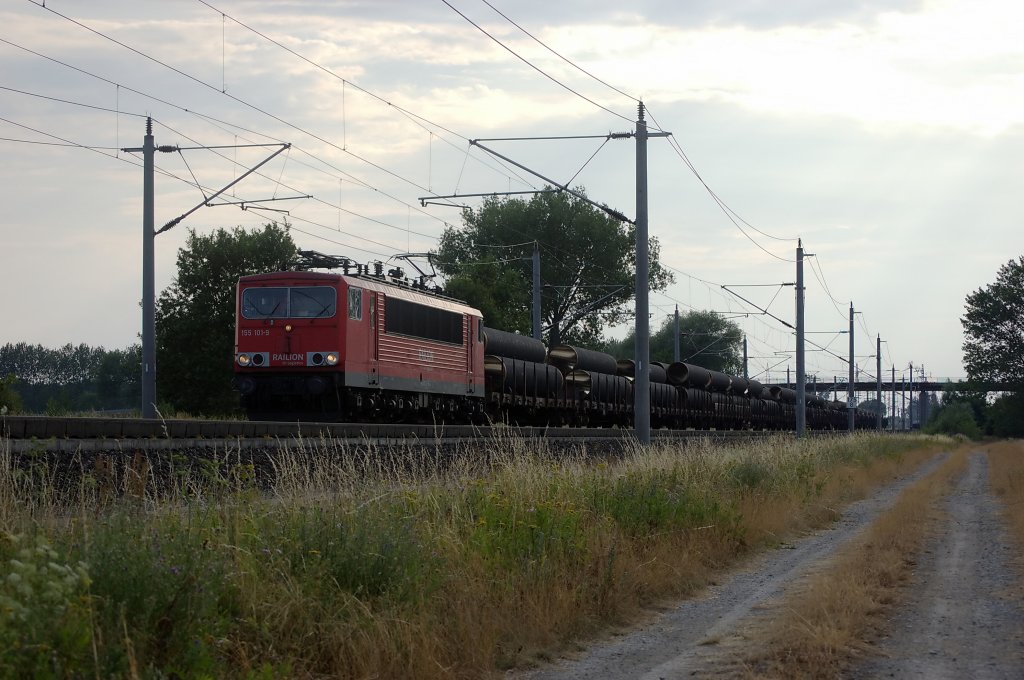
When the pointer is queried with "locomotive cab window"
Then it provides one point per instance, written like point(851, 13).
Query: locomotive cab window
point(305, 302)
point(265, 303)
point(355, 303)
point(314, 302)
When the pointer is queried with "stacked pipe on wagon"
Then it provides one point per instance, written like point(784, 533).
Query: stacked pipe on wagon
point(527, 383)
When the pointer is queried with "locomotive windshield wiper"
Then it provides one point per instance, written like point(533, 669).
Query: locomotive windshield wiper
point(324, 308)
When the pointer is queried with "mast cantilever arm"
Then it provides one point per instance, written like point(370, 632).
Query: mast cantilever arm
point(610, 211)
point(206, 201)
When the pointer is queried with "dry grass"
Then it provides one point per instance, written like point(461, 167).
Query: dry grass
point(363, 564)
point(818, 629)
point(1006, 477)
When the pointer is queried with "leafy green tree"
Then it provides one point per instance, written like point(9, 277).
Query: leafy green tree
point(10, 400)
point(588, 265)
point(706, 339)
point(496, 290)
point(970, 394)
point(955, 418)
point(24, 361)
point(1006, 416)
point(118, 378)
point(994, 328)
point(195, 315)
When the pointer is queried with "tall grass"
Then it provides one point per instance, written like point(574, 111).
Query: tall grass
point(1006, 477)
point(362, 563)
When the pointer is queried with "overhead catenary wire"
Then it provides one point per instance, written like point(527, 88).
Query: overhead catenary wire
point(65, 144)
point(824, 286)
point(723, 206)
point(161, 171)
point(219, 122)
point(560, 56)
point(419, 120)
point(533, 66)
point(238, 100)
point(73, 103)
point(324, 202)
point(731, 214)
point(195, 182)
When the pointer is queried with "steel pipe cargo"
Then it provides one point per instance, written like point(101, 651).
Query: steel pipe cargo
point(688, 375)
point(524, 378)
point(719, 382)
point(664, 396)
point(656, 371)
point(783, 394)
point(754, 389)
point(602, 386)
point(570, 358)
point(505, 344)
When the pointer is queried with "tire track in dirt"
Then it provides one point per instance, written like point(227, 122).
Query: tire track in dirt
point(676, 644)
point(962, 618)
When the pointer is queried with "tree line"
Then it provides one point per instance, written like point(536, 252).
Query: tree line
point(39, 379)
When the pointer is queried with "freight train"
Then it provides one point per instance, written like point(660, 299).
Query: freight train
point(371, 346)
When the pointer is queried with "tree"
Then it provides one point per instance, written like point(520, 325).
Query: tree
point(588, 265)
point(872, 406)
point(195, 315)
point(970, 394)
point(10, 400)
point(1006, 416)
point(118, 379)
point(955, 418)
point(706, 340)
point(994, 328)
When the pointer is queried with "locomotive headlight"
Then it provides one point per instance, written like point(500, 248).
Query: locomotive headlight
point(244, 359)
point(288, 328)
point(332, 358)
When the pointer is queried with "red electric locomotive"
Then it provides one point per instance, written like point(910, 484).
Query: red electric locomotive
point(354, 347)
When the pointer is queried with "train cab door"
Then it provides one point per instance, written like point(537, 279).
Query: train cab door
point(373, 341)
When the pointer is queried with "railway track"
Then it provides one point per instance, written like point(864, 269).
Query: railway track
point(44, 433)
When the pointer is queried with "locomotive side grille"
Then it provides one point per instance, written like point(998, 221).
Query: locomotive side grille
point(415, 351)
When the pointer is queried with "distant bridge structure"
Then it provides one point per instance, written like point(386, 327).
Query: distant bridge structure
point(822, 387)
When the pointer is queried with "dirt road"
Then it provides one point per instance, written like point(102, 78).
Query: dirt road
point(962, 618)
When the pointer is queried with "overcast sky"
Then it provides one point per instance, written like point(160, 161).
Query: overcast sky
point(886, 134)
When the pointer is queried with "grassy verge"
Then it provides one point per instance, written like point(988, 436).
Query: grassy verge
point(364, 565)
point(819, 628)
point(1006, 477)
